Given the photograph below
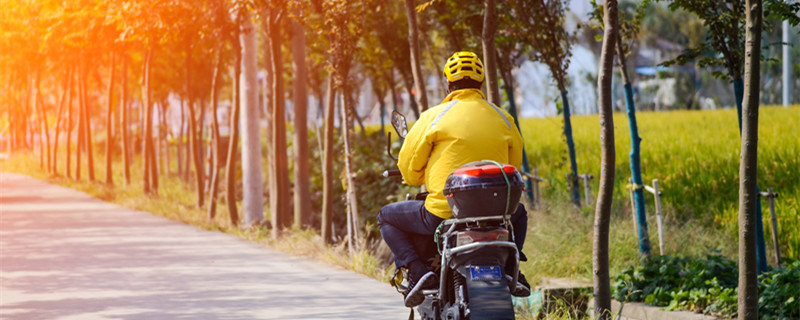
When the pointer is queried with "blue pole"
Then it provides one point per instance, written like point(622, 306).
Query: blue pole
point(576, 193)
point(761, 248)
point(636, 173)
point(512, 109)
point(383, 115)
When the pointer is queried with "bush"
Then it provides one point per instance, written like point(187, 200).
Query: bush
point(661, 276)
point(708, 285)
point(779, 293)
point(369, 162)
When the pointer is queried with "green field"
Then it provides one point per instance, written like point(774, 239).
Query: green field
point(695, 157)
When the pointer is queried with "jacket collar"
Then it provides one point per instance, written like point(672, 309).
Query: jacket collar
point(465, 94)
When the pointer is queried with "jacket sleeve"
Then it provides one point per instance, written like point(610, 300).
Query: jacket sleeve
point(414, 153)
point(515, 146)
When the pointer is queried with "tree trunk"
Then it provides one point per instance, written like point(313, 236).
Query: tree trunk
point(252, 180)
point(142, 114)
point(489, 52)
point(35, 118)
point(761, 250)
point(126, 161)
point(416, 69)
point(157, 130)
point(201, 144)
point(602, 214)
point(60, 120)
point(81, 132)
point(153, 158)
point(150, 139)
point(31, 127)
point(46, 125)
point(44, 129)
point(270, 77)
point(319, 124)
point(301, 155)
point(21, 110)
point(327, 169)
point(348, 113)
point(148, 125)
point(279, 198)
point(87, 126)
point(26, 115)
point(269, 95)
point(393, 90)
point(186, 144)
point(194, 143)
point(11, 114)
point(635, 158)
point(748, 166)
point(230, 169)
point(18, 122)
point(179, 145)
point(573, 179)
point(109, 134)
point(163, 142)
point(39, 125)
point(214, 188)
point(70, 116)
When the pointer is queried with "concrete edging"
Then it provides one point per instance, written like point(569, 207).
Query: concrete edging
point(641, 311)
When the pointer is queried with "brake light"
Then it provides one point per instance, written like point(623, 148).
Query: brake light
point(467, 237)
point(485, 170)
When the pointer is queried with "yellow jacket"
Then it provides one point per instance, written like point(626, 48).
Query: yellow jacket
point(463, 129)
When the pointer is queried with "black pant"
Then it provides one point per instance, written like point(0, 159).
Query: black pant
point(399, 220)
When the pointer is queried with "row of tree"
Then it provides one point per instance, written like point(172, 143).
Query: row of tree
point(54, 53)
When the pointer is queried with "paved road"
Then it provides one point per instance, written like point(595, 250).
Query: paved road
point(66, 255)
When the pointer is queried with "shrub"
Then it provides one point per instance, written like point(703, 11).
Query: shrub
point(708, 285)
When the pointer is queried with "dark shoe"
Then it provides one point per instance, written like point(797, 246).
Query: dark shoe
point(415, 297)
point(523, 288)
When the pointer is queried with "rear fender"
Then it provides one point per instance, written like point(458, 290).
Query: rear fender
point(487, 299)
point(501, 253)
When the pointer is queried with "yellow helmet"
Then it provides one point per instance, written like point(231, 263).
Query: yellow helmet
point(463, 64)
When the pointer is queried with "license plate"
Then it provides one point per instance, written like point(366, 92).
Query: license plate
point(485, 273)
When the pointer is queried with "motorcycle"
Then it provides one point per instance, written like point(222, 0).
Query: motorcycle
point(476, 260)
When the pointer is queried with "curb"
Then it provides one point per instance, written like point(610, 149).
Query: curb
point(641, 311)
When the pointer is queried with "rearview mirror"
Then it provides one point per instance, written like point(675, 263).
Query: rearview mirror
point(399, 124)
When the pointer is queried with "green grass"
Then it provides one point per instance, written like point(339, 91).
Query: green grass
point(695, 157)
point(559, 242)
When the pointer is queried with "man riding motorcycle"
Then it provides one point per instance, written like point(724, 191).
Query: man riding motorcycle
point(462, 129)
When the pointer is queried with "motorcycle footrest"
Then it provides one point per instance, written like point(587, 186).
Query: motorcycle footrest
point(430, 292)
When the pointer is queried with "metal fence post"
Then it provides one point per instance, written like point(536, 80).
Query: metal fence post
point(536, 187)
point(535, 179)
point(633, 206)
point(660, 218)
point(587, 190)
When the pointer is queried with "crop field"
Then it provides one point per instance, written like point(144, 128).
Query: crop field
point(695, 157)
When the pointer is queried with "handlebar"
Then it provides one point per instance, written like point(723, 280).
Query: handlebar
point(392, 173)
